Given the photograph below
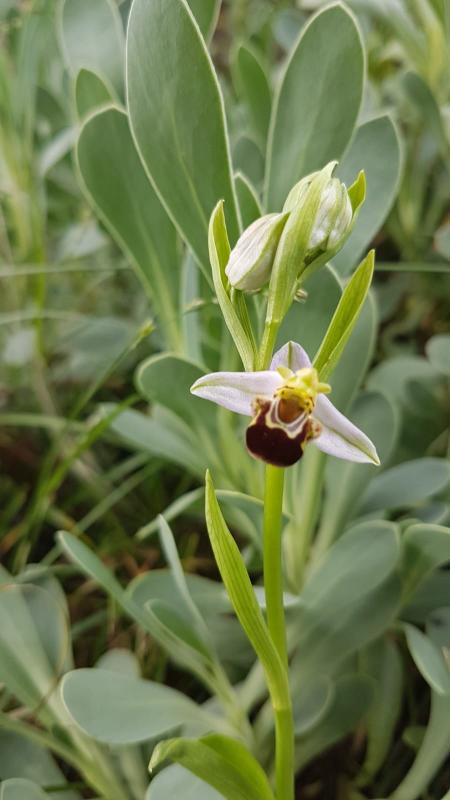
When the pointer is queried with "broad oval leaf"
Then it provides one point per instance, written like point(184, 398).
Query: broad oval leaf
point(176, 781)
point(206, 12)
point(429, 660)
point(352, 697)
point(180, 131)
point(438, 351)
point(375, 149)
point(121, 709)
point(318, 102)
point(425, 548)
point(406, 485)
point(345, 483)
point(90, 93)
point(20, 789)
point(92, 37)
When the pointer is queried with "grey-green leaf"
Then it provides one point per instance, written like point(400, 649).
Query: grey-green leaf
point(92, 37)
point(123, 197)
point(253, 87)
point(180, 131)
point(121, 709)
point(20, 789)
point(318, 102)
point(90, 93)
point(375, 149)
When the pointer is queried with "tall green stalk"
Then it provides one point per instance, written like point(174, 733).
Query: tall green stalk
point(273, 585)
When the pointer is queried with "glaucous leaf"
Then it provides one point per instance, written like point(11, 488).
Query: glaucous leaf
point(311, 128)
point(120, 192)
point(432, 752)
point(438, 351)
point(253, 87)
point(91, 35)
point(382, 661)
point(248, 200)
point(349, 598)
point(180, 133)
point(346, 482)
point(90, 93)
point(375, 149)
point(406, 485)
point(22, 758)
point(353, 695)
point(121, 709)
point(20, 789)
point(176, 781)
point(425, 548)
point(206, 12)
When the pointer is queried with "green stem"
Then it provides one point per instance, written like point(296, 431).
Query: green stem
point(267, 345)
point(273, 585)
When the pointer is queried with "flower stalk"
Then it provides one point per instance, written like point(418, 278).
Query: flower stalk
point(273, 587)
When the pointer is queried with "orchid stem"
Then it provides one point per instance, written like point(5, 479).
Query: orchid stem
point(273, 585)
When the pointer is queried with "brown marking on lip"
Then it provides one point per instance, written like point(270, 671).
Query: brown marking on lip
point(272, 444)
point(289, 409)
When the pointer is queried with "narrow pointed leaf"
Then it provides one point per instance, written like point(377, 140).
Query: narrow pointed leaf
point(242, 596)
point(219, 253)
point(344, 318)
point(223, 763)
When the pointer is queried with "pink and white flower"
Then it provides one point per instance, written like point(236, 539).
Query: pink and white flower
point(288, 409)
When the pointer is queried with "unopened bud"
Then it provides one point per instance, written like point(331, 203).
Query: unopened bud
point(251, 260)
point(333, 217)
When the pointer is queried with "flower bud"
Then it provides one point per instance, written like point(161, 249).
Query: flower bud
point(251, 260)
point(333, 217)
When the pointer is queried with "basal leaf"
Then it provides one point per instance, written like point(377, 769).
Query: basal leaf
point(90, 93)
point(122, 709)
point(180, 131)
point(92, 37)
point(318, 101)
point(123, 197)
point(376, 150)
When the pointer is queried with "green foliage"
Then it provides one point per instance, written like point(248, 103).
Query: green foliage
point(123, 188)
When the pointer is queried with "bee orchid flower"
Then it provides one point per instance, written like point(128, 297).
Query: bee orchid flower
point(288, 410)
